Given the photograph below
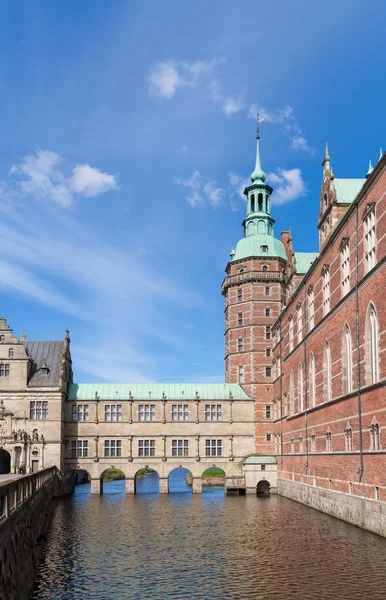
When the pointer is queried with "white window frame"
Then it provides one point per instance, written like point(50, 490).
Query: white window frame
point(326, 290)
point(241, 374)
point(345, 266)
point(291, 333)
point(213, 447)
point(180, 447)
point(213, 412)
point(311, 309)
point(312, 381)
point(373, 353)
point(146, 447)
point(180, 412)
point(80, 412)
point(327, 373)
point(112, 412)
point(300, 322)
point(369, 239)
point(240, 345)
point(146, 412)
point(301, 387)
point(113, 448)
point(79, 448)
point(38, 410)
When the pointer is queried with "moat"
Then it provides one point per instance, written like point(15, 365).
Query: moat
point(180, 545)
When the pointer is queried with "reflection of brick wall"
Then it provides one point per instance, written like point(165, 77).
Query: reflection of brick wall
point(338, 468)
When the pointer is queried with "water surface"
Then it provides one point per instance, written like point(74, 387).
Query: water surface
point(208, 546)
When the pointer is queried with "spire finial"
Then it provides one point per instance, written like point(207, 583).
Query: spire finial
point(370, 169)
point(326, 155)
point(380, 153)
point(258, 174)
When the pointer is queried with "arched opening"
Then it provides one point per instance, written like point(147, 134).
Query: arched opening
point(260, 202)
point(146, 481)
point(113, 481)
point(262, 488)
point(253, 203)
point(180, 481)
point(213, 480)
point(5, 462)
point(82, 481)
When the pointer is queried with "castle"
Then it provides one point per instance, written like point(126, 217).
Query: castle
point(302, 411)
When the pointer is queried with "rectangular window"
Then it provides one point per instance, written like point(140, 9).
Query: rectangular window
point(180, 412)
point(113, 412)
point(326, 289)
point(241, 375)
point(268, 371)
point(345, 267)
point(80, 412)
point(146, 447)
point(240, 344)
point(267, 312)
point(240, 318)
point(369, 239)
point(267, 333)
point(180, 448)
point(239, 295)
point(79, 448)
point(311, 309)
point(268, 352)
point(268, 411)
point(262, 467)
point(291, 334)
point(213, 447)
point(4, 370)
point(113, 448)
point(146, 412)
point(267, 290)
point(268, 437)
point(213, 412)
point(300, 323)
point(38, 410)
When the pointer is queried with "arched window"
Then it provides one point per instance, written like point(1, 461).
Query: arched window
point(348, 438)
point(327, 372)
point(375, 437)
point(265, 268)
point(312, 381)
point(10, 353)
point(372, 348)
point(253, 203)
point(328, 440)
point(300, 388)
point(292, 398)
point(2, 338)
point(347, 371)
point(260, 202)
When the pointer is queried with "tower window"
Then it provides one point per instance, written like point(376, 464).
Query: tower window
point(264, 249)
point(240, 344)
point(240, 318)
point(10, 353)
point(239, 295)
point(241, 374)
point(267, 312)
point(265, 268)
point(267, 333)
point(267, 291)
point(268, 352)
point(253, 203)
point(260, 202)
point(268, 371)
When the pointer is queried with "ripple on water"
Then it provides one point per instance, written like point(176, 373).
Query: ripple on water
point(181, 546)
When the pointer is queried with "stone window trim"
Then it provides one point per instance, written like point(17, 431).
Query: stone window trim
point(112, 412)
point(180, 447)
point(344, 242)
point(375, 435)
point(5, 370)
point(146, 412)
point(325, 268)
point(113, 448)
point(180, 412)
point(369, 207)
point(213, 447)
point(79, 449)
point(349, 447)
point(80, 412)
point(310, 289)
point(328, 440)
point(213, 412)
point(146, 447)
point(371, 345)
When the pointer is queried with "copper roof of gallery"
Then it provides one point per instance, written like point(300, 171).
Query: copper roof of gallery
point(157, 391)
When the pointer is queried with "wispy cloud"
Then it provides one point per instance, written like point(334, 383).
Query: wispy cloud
point(288, 186)
point(285, 117)
point(229, 104)
point(202, 191)
point(166, 77)
point(45, 175)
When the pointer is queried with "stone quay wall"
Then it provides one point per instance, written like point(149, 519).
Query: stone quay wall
point(363, 512)
point(27, 506)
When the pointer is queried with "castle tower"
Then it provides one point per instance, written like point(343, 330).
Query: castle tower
point(254, 294)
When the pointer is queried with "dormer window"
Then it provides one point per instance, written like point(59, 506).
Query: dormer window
point(10, 353)
point(44, 369)
point(264, 249)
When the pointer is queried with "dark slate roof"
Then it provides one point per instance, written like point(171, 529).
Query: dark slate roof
point(40, 352)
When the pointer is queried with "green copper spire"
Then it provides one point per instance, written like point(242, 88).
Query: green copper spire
point(258, 174)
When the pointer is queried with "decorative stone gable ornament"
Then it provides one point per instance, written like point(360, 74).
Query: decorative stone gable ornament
point(163, 396)
point(130, 396)
point(230, 396)
point(96, 396)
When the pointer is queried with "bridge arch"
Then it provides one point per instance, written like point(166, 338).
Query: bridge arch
point(146, 481)
point(110, 475)
point(5, 462)
point(263, 488)
point(180, 480)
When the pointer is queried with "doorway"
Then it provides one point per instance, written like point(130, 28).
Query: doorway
point(5, 462)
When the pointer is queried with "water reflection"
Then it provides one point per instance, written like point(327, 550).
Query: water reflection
point(181, 545)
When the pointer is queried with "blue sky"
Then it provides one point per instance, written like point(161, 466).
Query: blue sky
point(125, 136)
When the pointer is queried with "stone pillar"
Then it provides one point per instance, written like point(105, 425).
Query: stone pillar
point(130, 485)
point(197, 485)
point(96, 486)
point(163, 485)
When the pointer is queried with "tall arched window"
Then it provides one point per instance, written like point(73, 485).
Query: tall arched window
point(260, 201)
point(312, 387)
point(253, 203)
point(347, 372)
point(327, 372)
point(292, 394)
point(372, 348)
point(301, 388)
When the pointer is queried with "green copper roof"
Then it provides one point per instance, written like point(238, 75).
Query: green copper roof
point(252, 246)
point(347, 189)
point(304, 261)
point(154, 391)
point(258, 174)
point(260, 460)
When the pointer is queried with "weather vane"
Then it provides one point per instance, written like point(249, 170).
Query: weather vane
point(258, 121)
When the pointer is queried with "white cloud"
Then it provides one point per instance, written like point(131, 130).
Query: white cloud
point(194, 184)
point(288, 186)
point(166, 77)
point(286, 117)
point(91, 182)
point(229, 104)
point(238, 183)
point(214, 193)
point(44, 176)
